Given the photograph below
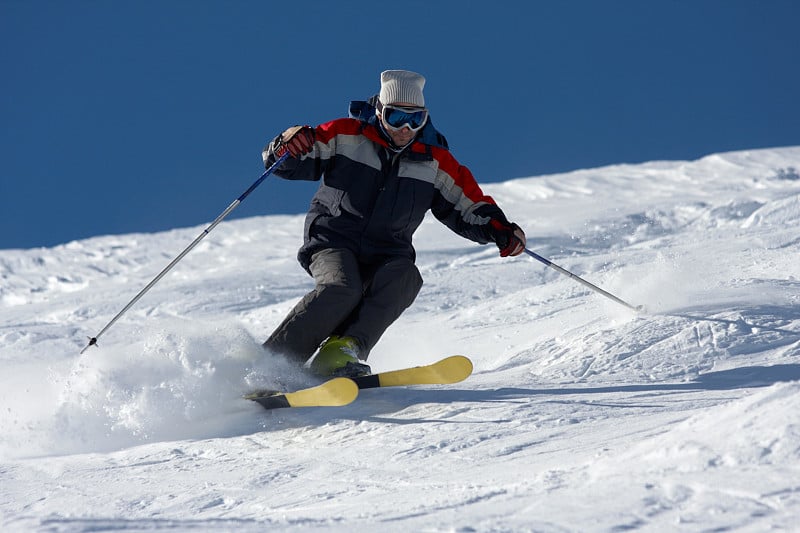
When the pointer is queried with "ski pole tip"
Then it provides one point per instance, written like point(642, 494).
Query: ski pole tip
point(92, 342)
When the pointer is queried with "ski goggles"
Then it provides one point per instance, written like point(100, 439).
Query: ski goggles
point(398, 117)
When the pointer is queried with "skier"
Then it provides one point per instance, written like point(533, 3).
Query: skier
point(381, 170)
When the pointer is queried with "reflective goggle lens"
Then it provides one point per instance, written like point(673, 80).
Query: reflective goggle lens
point(398, 117)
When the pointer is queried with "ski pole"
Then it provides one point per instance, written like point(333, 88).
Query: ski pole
point(220, 218)
point(637, 308)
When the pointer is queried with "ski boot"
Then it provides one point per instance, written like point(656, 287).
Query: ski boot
point(338, 357)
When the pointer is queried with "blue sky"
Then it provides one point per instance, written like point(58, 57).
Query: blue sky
point(120, 117)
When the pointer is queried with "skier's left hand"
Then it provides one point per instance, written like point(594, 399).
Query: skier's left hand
point(509, 237)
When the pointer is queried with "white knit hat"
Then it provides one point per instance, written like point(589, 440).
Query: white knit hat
point(402, 86)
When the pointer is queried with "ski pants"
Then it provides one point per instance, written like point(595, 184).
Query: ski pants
point(350, 299)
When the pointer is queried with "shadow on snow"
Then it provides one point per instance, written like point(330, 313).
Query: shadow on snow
point(737, 378)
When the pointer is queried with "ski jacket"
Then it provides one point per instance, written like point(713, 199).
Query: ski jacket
point(372, 198)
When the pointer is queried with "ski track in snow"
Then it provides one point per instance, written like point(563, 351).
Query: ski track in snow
point(580, 416)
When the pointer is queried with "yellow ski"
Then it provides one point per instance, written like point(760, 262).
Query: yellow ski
point(342, 391)
point(332, 393)
point(449, 370)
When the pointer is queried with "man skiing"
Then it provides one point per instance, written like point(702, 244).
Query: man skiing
point(381, 170)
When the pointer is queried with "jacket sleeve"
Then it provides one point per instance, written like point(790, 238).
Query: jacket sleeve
point(461, 204)
point(309, 167)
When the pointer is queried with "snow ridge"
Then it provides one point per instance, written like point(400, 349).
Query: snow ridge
point(581, 415)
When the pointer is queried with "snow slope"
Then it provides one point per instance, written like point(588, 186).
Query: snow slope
point(581, 415)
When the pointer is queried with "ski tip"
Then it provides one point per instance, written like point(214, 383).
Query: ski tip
point(461, 359)
point(333, 393)
point(461, 367)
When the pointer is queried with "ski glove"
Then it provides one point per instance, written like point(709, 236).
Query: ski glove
point(297, 140)
point(509, 237)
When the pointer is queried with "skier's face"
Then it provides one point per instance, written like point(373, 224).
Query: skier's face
point(404, 135)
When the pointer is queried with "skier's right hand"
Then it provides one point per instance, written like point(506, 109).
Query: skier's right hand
point(297, 140)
